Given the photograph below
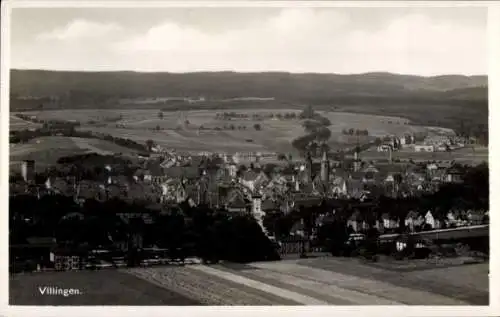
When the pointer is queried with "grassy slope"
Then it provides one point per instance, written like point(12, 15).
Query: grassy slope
point(47, 150)
point(230, 84)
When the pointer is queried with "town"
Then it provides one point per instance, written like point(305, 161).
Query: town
point(105, 211)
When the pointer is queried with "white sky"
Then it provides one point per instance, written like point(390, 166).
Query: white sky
point(422, 41)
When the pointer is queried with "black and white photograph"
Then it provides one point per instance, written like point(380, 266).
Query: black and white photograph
point(250, 155)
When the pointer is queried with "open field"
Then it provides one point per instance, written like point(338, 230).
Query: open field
point(325, 281)
point(376, 125)
point(314, 281)
point(98, 288)
point(16, 123)
point(47, 150)
point(468, 155)
point(276, 135)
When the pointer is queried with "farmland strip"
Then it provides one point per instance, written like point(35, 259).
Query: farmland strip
point(300, 298)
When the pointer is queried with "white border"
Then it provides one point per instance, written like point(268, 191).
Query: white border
point(494, 98)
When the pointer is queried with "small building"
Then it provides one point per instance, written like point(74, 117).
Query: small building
point(28, 170)
point(389, 222)
point(355, 221)
point(384, 148)
point(452, 219)
point(475, 217)
point(238, 205)
point(432, 221)
point(453, 175)
point(423, 148)
point(66, 259)
point(294, 246)
point(412, 220)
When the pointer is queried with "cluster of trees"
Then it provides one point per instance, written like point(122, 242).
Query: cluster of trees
point(309, 113)
point(256, 116)
point(469, 129)
point(23, 136)
point(233, 127)
point(316, 127)
point(34, 119)
point(321, 135)
point(356, 132)
point(229, 127)
point(284, 157)
point(113, 119)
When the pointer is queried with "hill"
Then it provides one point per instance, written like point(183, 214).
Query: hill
point(284, 86)
point(413, 97)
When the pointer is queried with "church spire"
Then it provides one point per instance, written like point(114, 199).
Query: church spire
point(309, 166)
point(325, 167)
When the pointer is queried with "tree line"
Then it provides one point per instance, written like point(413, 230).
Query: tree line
point(316, 127)
point(256, 116)
point(356, 132)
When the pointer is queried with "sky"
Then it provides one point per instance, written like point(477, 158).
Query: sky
point(419, 41)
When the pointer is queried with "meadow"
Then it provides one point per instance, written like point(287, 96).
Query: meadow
point(201, 130)
point(47, 150)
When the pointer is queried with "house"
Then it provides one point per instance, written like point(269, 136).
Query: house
point(432, 167)
point(298, 229)
point(356, 222)
point(128, 215)
point(389, 222)
point(66, 259)
point(379, 225)
point(423, 148)
point(475, 217)
point(60, 185)
point(384, 148)
point(248, 179)
point(305, 201)
point(452, 219)
point(432, 221)
point(355, 189)
point(269, 206)
point(238, 204)
point(412, 220)
point(453, 175)
point(371, 169)
point(113, 191)
point(338, 186)
point(87, 189)
point(294, 246)
point(261, 180)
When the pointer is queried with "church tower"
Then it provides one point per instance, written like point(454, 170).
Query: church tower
point(325, 168)
point(309, 167)
point(357, 160)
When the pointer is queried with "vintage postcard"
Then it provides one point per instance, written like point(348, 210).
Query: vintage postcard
point(175, 155)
